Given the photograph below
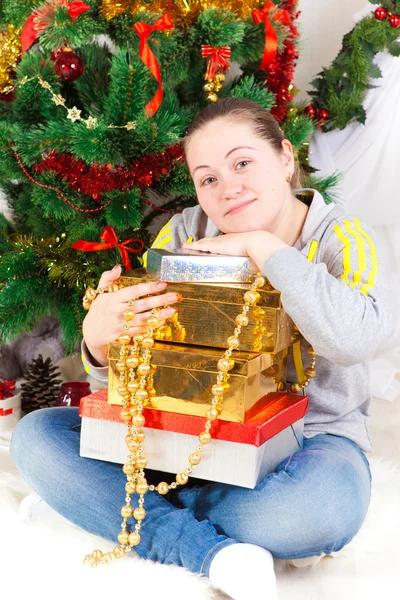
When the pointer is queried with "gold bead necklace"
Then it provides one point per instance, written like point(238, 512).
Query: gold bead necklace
point(136, 388)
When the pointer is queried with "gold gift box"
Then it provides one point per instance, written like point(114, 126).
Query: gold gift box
point(206, 316)
point(184, 377)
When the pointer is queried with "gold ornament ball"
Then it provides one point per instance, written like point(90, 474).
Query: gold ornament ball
point(138, 421)
point(134, 538)
point(110, 557)
point(124, 339)
point(141, 394)
point(217, 389)
point(147, 341)
point(281, 386)
point(86, 304)
point(241, 320)
point(139, 513)
point(123, 537)
point(152, 322)
point(141, 462)
point(260, 281)
point(129, 315)
point(233, 342)
point(311, 351)
point(142, 486)
point(122, 390)
point(251, 297)
point(121, 366)
point(126, 511)
point(211, 97)
point(133, 446)
point(97, 554)
point(182, 478)
point(224, 365)
point(295, 388)
point(194, 458)
point(91, 294)
point(133, 386)
point(125, 415)
point(208, 87)
point(132, 362)
point(119, 551)
point(128, 469)
point(212, 414)
point(162, 488)
point(204, 437)
point(218, 87)
point(220, 77)
point(310, 373)
point(140, 436)
point(144, 369)
point(113, 288)
point(130, 487)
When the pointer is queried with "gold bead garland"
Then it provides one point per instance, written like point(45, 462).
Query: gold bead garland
point(136, 373)
point(136, 388)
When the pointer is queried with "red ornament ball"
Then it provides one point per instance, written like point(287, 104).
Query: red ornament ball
point(10, 97)
point(394, 20)
point(69, 66)
point(309, 111)
point(381, 13)
point(323, 114)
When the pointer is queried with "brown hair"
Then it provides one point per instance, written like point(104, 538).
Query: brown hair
point(242, 109)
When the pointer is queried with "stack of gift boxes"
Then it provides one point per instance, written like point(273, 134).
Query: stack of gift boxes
point(257, 425)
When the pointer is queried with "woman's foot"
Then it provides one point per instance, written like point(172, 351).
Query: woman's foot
point(244, 571)
point(33, 506)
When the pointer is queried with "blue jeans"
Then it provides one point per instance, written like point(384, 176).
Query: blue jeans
point(314, 503)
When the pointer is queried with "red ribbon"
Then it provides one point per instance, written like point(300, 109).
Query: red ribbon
point(218, 59)
point(7, 389)
point(110, 241)
point(31, 31)
point(143, 30)
point(271, 38)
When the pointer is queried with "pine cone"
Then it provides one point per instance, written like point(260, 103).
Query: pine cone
point(42, 387)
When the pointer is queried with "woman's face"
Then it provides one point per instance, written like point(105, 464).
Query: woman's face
point(240, 178)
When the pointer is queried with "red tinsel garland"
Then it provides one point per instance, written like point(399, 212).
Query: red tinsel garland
point(95, 180)
point(279, 75)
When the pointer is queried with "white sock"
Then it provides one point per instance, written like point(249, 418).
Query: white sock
point(33, 506)
point(244, 571)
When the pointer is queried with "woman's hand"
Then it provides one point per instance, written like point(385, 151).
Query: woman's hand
point(105, 321)
point(257, 245)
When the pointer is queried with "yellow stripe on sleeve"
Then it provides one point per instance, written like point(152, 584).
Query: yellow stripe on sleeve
point(346, 252)
point(374, 259)
point(362, 264)
point(312, 251)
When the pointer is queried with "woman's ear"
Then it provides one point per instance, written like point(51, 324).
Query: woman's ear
point(287, 156)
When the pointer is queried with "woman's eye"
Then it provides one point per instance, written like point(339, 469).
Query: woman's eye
point(242, 164)
point(208, 181)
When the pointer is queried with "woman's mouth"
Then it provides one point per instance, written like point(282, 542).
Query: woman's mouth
point(239, 207)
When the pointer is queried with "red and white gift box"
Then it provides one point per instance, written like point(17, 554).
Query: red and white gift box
point(239, 454)
point(10, 412)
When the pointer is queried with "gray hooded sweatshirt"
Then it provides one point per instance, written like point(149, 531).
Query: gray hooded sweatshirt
point(332, 286)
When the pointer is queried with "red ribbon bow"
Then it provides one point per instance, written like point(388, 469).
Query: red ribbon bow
point(218, 58)
point(33, 28)
point(7, 388)
point(271, 38)
point(143, 30)
point(110, 241)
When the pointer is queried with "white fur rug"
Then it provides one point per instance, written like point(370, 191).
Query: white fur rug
point(44, 557)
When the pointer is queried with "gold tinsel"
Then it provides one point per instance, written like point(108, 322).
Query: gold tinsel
point(183, 12)
point(10, 51)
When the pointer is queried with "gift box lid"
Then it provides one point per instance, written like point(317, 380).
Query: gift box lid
point(192, 265)
point(270, 415)
point(200, 358)
point(222, 293)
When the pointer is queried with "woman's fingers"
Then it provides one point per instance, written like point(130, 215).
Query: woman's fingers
point(143, 305)
point(109, 277)
point(132, 292)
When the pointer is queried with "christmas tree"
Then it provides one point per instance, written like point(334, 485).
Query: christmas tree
point(94, 99)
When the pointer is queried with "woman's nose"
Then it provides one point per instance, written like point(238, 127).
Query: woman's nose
point(232, 189)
